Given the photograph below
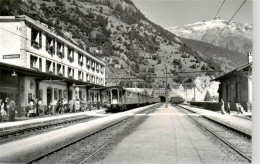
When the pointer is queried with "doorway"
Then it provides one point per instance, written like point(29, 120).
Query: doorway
point(49, 95)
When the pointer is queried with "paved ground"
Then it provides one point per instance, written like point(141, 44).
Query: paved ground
point(167, 136)
point(231, 120)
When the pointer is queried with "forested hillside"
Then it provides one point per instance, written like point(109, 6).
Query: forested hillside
point(118, 33)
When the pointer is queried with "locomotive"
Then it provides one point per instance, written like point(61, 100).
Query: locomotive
point(119, 99)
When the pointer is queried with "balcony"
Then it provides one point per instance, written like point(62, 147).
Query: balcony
point(51, 50)
point(80, 63)
point(35, 44)
point(60, 55)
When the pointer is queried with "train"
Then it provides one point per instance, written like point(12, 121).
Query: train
point(119, 99)
point(176, 100)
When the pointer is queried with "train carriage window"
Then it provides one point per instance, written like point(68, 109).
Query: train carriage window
point(128, 94)
point(114, 95)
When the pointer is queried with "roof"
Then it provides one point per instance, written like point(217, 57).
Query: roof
point(233, 71)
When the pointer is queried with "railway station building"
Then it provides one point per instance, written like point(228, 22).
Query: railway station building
point(35, 62)
point(236, 86)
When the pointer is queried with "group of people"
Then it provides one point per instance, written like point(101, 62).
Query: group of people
point(226, 109)
point(74, 105)
point(8, 109)
point(35, 107)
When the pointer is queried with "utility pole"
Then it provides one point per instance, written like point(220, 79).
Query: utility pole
point(194, 93)
point(166, 89)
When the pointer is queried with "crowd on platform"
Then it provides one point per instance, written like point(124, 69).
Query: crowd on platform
point(36, 107)
point(226, 109)
point(61, 106)
point(8, 109)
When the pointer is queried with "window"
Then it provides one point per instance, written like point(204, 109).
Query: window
point(35, 63)
point(80, 75)
point(93, 65)
point(60, 69)
point(87, 62)
point(55, 94)
point(50, 45)
point(93, 79)
point(50, 67)
point(60, 50)
point(70, 73)
point(70, 54)
point(101, 69)
point(36, 38)
point(60, 93)
point(97, 68)
point(87, 77)
point(80, 59)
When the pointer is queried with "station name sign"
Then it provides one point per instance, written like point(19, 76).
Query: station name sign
point(11, 56)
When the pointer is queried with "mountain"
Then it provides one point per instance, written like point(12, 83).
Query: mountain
point(118, 33)
point(225, 58)
point(236, 36)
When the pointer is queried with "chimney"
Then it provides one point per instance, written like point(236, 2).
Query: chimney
point(249, 57)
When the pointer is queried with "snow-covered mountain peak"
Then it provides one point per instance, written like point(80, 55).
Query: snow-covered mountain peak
point(234, 35)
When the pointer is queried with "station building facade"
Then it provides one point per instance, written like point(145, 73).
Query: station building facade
point(37, 63)
point(236, 86)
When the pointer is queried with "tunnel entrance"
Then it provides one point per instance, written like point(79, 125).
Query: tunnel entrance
point(162, 98)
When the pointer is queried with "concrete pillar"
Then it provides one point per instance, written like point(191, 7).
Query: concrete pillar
point(37, 88)
point(18, 101)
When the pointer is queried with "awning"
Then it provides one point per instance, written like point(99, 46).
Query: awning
point(21, 71)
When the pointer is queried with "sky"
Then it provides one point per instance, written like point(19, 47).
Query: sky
point(169, 13)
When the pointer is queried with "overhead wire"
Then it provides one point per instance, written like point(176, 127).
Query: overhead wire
point(209, 28)
point(224, 27)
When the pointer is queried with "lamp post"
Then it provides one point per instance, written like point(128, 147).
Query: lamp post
point(166, 89)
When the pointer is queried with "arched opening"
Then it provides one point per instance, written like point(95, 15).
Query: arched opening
point(162, 98)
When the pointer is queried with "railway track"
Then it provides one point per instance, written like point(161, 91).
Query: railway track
point(238, 141)
point(28, 131)
point(93, 133)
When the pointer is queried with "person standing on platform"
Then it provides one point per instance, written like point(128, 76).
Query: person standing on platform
point(89, 105)
point(36, 104)
point(3, 114)
point(77, 105)
point(228, 107)
point(98, 105)
point(12, 110)
point(71, 105)
point(222, 108)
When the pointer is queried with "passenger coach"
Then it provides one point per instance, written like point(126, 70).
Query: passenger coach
point(120, 99)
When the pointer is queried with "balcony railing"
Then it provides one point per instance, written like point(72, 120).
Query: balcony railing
point(51, 50)
point(80, 63)
point(35, 44)
point(60, 55)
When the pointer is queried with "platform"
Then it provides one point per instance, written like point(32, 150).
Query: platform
point(26, 122)
point(166, 136)
point(232, 120)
